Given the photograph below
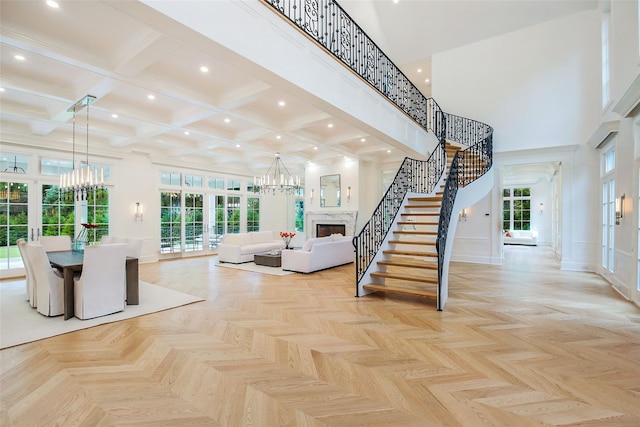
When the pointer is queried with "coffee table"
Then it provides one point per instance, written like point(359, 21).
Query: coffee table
point(268, 259)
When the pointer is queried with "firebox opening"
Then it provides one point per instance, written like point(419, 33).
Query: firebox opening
point(323, 230)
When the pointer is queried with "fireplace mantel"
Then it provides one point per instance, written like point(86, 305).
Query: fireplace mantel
point(348, 218)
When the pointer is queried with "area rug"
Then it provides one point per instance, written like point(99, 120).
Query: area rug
point(250, 266)
point(19, 323)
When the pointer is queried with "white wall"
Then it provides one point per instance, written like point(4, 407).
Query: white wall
point(539, 88)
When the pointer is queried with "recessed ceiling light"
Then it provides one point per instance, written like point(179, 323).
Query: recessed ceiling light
point(150, 96)
point(237, 145)
point(330, 125)
point(281, 103)
point(53, 4)
point(427, 80)
point(419, 70)
point(362, 139)
point(204, 69)
point(396, 1)
point(1, 89)
point(388, 151)
point(114, 115)
point(186, 132)
point(227, 120)
point(315, 148)
point(278, 136)
point(19, 57)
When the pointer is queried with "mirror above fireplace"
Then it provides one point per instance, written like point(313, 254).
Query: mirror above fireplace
point(330, 190)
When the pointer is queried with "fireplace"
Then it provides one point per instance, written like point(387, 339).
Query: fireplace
point(323, 230)
point(345, 219)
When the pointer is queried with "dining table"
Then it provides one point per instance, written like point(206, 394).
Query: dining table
point(70, 262)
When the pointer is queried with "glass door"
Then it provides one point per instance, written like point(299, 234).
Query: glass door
point(216, 220)
point(14, 224)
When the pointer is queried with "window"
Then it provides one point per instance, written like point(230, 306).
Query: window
point(14, 215)
point(193, 219)
point(98, 214)
point(58, 213)
point(55, 167)
point(170, 178)
point(516, 213)
point(300, 215)
point(608, 183)
point(193, 181)
point(170, 222)
point(233, 214)
point(14, 163)
point(253, 214)
point(216, 183)
point(233, 185)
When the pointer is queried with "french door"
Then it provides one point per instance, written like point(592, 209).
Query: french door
point(193, 223)
point(29, 210)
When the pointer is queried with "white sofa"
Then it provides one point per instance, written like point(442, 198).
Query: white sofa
point(319, 253)
point(520, 237)
point(241, 247)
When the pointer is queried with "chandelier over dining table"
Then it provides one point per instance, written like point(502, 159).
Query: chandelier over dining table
point(81, 179)
point(277, 179)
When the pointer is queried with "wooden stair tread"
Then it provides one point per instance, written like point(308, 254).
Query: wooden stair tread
point(421, 214)
point(405, 290)
point(434, 206)
point(404, 276)
point(409, 263)
point(417, 233)
point(425, 199)
point(410, 253)
point(417, 223)
point(412, 242)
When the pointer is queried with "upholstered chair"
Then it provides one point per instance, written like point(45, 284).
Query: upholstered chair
point(55, 243)
point(101, 288)
point(134, 245)
point(30, 286)
point(49, 287)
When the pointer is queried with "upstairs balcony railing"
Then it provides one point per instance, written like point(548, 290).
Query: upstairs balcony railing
point(332, 28)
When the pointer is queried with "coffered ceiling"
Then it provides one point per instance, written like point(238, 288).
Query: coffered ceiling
point(153, 98)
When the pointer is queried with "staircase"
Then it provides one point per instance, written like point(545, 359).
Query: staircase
point(410, 265)
point(403, 247)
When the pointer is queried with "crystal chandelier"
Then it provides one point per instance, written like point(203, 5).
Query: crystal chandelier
point(276, 179)
point(82, 178)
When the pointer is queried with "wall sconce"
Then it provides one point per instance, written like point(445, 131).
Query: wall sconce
point(619, 208)
point(463, 215)
point(541, 208)
point(348, 194)
point(312, 193)
point(138, 212)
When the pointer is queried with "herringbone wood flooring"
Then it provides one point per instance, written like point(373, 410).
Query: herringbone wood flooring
point(519, 345)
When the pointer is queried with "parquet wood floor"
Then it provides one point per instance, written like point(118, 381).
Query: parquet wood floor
point(523, 344)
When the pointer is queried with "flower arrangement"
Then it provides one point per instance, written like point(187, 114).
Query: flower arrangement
point(286, 236)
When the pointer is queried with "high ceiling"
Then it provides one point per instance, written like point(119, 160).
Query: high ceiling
point(232, 122)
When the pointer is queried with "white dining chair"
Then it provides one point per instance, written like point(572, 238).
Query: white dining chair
point(101, 287)
point(134, 247)
point(49, 286)
point(30, 287)
point(55, 243)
